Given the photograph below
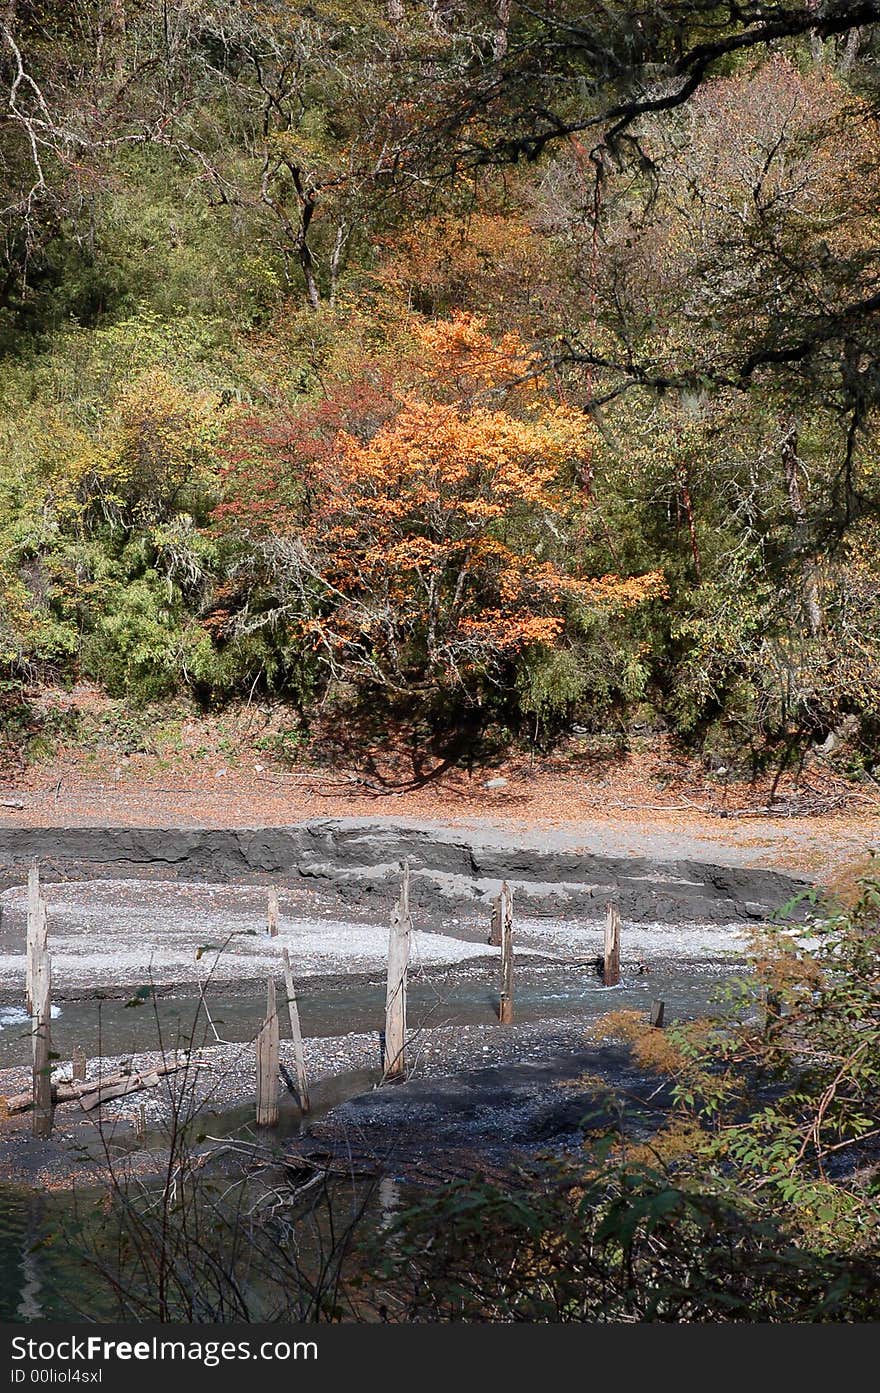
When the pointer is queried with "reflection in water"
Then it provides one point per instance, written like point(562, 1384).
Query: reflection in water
point(29, 1307)
point(30, 1271)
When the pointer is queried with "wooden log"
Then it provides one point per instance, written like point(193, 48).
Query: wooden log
point(61, 1093)
point(76, 1092)
point(399, 941)
point(505, 1008)
point(273, 913)
point(611, 957)
point(267, 1063)
point(42, 1046)
point(302, 1083)
point(658, 1010)
point(132, 1084)
point(78, 1064)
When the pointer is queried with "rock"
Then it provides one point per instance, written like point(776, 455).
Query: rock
point(499, 782)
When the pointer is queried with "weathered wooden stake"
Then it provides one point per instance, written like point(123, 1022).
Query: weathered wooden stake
point(399, 939)
point(37, 933)
point(140, 1123)
point(273, 912)
point(611, 958)
point(772, 1010)
point(505, 914)
point(41, 1125)
point(267, 1063)
point(658, 1010)
point(495, 923)
point(78, 1063)
point(302, 1083)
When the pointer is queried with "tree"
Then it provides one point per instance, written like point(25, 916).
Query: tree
point(421, 551)
point(604, 80)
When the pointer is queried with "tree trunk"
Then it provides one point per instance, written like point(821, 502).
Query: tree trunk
point(850, 51)
point(306, 260)
point(692, 525)
point(502, 24)
point(790, 464)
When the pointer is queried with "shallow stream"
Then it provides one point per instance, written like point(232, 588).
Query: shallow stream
point(199, 946)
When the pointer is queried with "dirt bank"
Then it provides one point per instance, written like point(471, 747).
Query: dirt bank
point(358, 862)
point(629, 808)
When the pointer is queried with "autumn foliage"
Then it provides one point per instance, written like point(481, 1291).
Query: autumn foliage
point(426, 541)
point(349, 353)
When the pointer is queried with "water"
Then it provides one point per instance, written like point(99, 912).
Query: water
point(48, 1240)
point(330, 1009)
point(41, 1271)
point(109, 939)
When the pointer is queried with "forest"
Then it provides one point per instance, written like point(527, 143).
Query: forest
point(478, 371)
point(445, 381)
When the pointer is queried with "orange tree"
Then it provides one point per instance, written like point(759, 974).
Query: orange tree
point(419, 527)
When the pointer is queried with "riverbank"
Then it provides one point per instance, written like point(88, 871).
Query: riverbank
point(645, 799)
point(180, 911)
point(144, 963)
point(531, 1088)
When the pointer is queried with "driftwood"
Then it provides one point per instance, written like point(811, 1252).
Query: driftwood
point(91, 1093)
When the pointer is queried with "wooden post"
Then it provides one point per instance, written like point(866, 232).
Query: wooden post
point(399, 939)
point(302, 1084)
point(505, 914)
point(140, 1123)
point(78, 1063)
point(267, 1063)
point(272, 912)
point(658, 1010)
point(495, 923)
point(42, 1046)
point(772, 1010)
point(37, 933)
point(611, 959)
